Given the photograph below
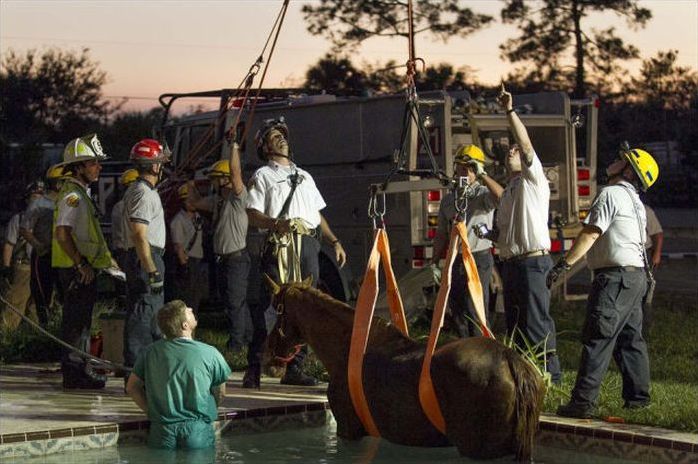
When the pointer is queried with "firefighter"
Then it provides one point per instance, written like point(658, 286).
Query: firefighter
point(229, 242)
point(16, 267)
point(613, 240)
point(524, 244)
point(480, 203)
point(144, 223)
point(191, 274)
point(79, 251)
point(118, 239)
point(36, 228)
point(284, 201)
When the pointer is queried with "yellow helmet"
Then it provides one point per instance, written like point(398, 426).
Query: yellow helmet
point(219, 169)
point(128, 176)
point(55, 172)
point(644, 166)
point(183, 191)
point(468, 153)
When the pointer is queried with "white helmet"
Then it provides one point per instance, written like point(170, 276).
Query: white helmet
point(83, 149)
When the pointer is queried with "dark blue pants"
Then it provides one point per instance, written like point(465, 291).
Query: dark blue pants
point(141, 326)
point(527, 306)
point(310, 267)
point(232, 274)
point(191, 282)
point(613, 327)
point(79, 301)
point(462, 308)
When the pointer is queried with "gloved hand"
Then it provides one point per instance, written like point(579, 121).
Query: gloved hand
point(556, 272)
point(156, 283)
point(479, 169)
point(483, 232)
point(6, 272)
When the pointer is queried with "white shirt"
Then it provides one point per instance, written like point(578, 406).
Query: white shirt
point(74, 212)
point(654, 227)
point(522, 215)
point(619, 214)
point(183, 229)
point(270, 186)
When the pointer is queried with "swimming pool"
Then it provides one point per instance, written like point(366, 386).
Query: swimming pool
point(301, 445)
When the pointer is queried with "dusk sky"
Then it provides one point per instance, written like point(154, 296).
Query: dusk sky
point(152, 47)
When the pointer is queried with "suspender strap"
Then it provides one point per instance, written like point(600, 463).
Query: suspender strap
point(365, 307)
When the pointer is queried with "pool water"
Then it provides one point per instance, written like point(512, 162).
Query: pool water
point(302, 445)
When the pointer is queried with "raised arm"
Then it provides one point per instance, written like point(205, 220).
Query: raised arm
point(520, 133)
point(235, 169)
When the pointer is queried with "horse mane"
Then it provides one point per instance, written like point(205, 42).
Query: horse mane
point(380, 328)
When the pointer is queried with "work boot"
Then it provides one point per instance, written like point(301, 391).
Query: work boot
point(251, 379)
point(575, 410)
point(636, 404)
point(294, 376)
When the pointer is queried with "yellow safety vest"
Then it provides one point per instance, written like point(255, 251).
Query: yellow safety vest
point(95, 248)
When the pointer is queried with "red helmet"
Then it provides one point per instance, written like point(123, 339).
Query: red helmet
point(149, 151)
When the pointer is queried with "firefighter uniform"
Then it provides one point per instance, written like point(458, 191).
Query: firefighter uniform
point(142, 205)
point(613, 326)
point(75, 209)
point(480, 209)
point(269, 188)
point(17, 292)
point(524, 244)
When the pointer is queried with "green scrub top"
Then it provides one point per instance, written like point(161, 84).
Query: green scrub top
point(178, 376)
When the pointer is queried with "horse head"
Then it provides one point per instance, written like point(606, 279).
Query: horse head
point(285, 339)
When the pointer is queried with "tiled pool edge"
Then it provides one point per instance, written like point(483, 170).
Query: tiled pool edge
point(29, 444)
point(587, 438)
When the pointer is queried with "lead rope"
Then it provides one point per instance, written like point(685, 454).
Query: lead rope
point(110, 364)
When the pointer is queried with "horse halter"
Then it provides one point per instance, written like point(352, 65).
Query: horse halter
point(280, 321)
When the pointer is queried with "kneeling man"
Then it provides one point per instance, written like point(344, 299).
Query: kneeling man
point(179, 383)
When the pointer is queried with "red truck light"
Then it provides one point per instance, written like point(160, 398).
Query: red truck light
point(419, 252)
point(555, 246)
point(583, 174)
point(584, 190)
point(434, 195)
point(431, 233)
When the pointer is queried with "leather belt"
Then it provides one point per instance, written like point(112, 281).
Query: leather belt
point(232, 254)
point(530, 254)
point(619, 269)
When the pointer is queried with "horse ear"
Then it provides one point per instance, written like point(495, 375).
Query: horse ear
point(307, 282)
point(273, 286)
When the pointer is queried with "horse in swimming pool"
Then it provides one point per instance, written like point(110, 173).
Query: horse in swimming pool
point(489, 395)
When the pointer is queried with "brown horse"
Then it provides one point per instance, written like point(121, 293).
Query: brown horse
point(489, 395)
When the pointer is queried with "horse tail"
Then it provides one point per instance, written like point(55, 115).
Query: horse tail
point(530, 392)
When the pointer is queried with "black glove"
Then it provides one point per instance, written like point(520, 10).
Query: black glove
point(556, 272)
point(156, 283)
point(6, 272)
point(483, 232)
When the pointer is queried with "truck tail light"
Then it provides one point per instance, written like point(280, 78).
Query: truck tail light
point(584, 190)
point(583, 214)
point(555, 246)
point(431, 233)
point(432, 221)
point(583, 174)
point(418, 252)
point(434, 195)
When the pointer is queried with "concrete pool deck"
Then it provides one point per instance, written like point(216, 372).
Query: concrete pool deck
point(37, 418)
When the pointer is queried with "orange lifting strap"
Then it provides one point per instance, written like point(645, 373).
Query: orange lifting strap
point(427, 395)
point(365, 306)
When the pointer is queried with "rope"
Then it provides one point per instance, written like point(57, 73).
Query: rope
point(193, 155)
point(112, 365)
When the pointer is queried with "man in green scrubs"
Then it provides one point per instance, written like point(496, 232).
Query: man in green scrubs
point(179, 382)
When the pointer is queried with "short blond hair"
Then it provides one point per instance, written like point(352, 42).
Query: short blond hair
point(171, 317)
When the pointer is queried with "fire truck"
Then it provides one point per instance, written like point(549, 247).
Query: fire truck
point(348, 144)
